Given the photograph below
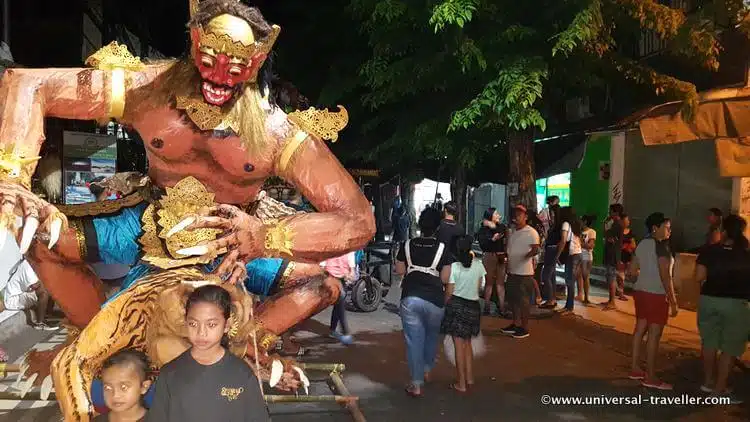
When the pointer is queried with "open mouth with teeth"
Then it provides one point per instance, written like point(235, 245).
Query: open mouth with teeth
point(216, 94)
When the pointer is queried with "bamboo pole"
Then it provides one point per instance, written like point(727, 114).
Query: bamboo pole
point(309, 399)
point(352, 406)
point(30, 396)
point(8, 368)
point(333, 367)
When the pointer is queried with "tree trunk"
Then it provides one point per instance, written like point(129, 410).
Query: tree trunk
point(521, 169)
point(458, 194)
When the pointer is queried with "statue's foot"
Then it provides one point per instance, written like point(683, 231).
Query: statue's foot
point(281, 373)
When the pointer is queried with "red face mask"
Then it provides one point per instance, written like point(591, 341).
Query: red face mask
point(223, 75)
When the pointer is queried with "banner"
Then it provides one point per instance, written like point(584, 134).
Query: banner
point(87, 157)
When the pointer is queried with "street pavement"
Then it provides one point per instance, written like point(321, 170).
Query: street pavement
point(564, 357)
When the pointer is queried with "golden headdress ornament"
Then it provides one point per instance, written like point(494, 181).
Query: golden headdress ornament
point(233, 36)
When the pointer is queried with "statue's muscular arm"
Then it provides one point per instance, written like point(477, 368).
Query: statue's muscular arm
point(345, 221)
point(27, 96)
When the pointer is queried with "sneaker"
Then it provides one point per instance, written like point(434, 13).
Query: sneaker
point(346, 339)
point(511, 329)
point(520, 333)
point(657, 384)
point(637, 375)
point(44, 327)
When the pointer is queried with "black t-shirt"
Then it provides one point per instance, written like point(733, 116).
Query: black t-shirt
point(613, 243)
point(226, 391)
point(419, 284)
point(448, 233)
point(485, 235)
point(727, 271)
point(105, 418)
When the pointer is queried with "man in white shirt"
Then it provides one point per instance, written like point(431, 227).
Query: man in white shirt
point(20, 288)
point(523, 246)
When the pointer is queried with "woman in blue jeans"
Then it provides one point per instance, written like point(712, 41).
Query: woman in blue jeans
point(571, 236)
point(425, 264)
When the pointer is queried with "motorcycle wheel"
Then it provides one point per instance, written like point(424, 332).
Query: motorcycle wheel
point(367, 294)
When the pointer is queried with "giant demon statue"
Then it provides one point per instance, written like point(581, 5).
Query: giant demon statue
point(212, 139)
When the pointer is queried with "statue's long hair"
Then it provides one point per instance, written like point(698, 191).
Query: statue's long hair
point(180, 77)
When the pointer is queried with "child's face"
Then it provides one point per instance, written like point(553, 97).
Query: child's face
point(206, 325)
point(123, 387)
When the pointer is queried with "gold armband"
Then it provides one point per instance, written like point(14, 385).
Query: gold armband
point(116, 59)
point(323, 124)
point(77, 226)
point(16, 168)
point(267, 340)
point(279, 239)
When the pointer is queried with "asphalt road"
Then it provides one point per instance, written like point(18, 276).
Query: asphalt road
point(565, 357)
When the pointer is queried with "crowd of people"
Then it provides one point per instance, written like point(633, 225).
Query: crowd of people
point(443, 281)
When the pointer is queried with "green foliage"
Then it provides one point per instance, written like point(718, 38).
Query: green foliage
point(449, 78)
point(453, 12)
point(585, 28)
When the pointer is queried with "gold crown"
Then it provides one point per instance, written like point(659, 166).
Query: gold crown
point(233, 36)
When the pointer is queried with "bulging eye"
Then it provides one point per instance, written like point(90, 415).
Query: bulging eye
point(235, 71)
point(206, 61)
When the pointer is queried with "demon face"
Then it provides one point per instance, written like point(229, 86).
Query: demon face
point(227, 55)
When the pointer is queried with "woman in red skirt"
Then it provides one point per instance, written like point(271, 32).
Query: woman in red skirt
point(654, 297)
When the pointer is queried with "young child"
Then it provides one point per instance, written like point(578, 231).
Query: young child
point(124, 382)
point(207, 383)
point(462, 310)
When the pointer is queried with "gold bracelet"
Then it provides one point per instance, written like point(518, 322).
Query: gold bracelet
point(279, 239)
point(16, 168)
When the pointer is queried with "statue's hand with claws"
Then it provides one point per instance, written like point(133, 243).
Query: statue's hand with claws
point(16, 201)
point(243, 234)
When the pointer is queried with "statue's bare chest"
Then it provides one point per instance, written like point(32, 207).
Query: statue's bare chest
point(176, 150)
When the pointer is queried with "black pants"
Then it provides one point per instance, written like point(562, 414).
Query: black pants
point(338, 316)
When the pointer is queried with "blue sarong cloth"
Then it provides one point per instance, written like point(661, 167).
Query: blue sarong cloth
point(117, 240)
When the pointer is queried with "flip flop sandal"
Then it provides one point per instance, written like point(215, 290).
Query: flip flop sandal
point(454, 387)
point(411, 393)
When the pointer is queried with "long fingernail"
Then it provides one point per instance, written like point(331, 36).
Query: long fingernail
point(54, 232)
point(182, 225)
point(303, 378)
point(194, 251)
point(29, 229)
point(277, 370)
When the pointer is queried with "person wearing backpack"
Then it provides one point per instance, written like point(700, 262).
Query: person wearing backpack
point(425, 264)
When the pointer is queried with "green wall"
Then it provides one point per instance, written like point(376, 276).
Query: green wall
point(588, 194)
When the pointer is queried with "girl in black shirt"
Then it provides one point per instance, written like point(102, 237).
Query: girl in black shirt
point(207, 383)
point(724, 311)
